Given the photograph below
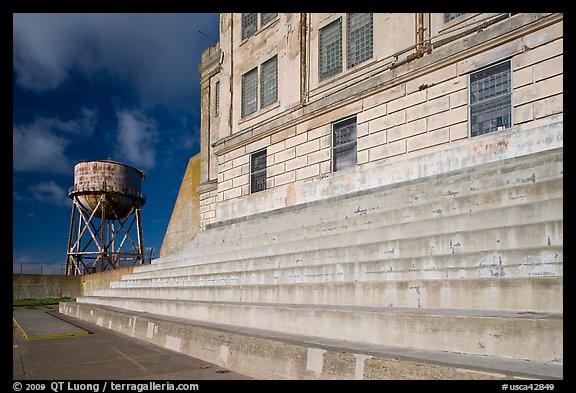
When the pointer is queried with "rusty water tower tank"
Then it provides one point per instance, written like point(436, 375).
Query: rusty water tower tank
point(107, 200)
point(121, 183)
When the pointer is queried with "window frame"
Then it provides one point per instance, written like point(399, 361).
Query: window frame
point(244, 101)
point(249, 33)
point(257, 23)
point(350, 64)
point(264, 85)
point(259, 105)
point(342, 146)
point(268, 21)
point(328, 74)
point(472, 106)
point(217, 99)
point(344, 49)
point(452, 16)
point(259, 172)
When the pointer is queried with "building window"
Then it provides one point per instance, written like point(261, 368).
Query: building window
point(258, 171)
point(491, 99)
point(268, 87)
point(330, 49)
point(344, 144)
point(359, 39)
point(266, 18)
point(249, 25)
point(250, 92)
point(359, 44)
point(269, 82)
point(451, 16)
point(217, 98)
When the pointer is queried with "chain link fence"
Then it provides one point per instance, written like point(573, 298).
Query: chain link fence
point(38, 268)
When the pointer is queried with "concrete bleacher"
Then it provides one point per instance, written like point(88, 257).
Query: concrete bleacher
point(455, 276)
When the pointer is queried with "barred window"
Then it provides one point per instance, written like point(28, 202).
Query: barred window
point(217, 98)
point(267, 17)
point(359, 39)
point(453, 15)
point(344, 144)
point(258, 171)
point(249, 25)
point(269, 82)
point(491, 99)
point(250, 92)
point(330, 49)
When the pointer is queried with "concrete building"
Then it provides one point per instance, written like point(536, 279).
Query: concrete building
point(380, 197)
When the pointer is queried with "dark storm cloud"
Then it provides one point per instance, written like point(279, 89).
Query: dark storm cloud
point(155, 56)
point(158, 52)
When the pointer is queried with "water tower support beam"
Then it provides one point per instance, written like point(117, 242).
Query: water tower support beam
point(140, 236)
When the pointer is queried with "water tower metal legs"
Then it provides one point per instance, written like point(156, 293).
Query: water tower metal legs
point(98, 243)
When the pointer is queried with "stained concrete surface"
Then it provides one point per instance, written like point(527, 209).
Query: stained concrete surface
point(100, 355)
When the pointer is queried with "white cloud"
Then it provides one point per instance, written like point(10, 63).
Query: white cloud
point(37, 150)
point(136, 138)
point(40, 146)
point(50, 192)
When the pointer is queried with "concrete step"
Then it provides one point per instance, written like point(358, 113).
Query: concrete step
point(461, 193)
point(534, 249)
point(509, 334)
point(353, 263)
point(454, 209)
point(478, 181)
point(271, 355)
point(467, 264)
point(501, 229)
point(536, 294)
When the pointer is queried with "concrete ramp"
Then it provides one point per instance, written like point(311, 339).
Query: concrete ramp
point(38, 323)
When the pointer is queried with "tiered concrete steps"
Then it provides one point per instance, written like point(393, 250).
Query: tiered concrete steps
point(457, 276)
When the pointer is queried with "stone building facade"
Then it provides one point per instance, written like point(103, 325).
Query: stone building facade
point(304, 107)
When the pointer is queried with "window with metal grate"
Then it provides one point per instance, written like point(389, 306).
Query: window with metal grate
point(344, 144)
point(258, 171)
point(217, 98)
point(250, 92)
point(448, 16)
point(330, 49)
point(491, 99)
point(249, 25)
point(267, 18)
point(359, 38)
point(269, 82)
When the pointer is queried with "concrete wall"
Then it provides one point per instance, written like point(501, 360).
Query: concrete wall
point(91, 282)
point(407, 106)
point(185, 220)
point(46, 286)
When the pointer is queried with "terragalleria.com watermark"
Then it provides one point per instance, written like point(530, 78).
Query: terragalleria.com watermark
point(101, 387)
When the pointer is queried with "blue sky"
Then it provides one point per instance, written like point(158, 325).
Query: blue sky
point(96, 86)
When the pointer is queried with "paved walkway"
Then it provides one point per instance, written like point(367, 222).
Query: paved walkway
point(59, 348)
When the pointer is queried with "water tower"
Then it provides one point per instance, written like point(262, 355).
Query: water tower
point(106, 224)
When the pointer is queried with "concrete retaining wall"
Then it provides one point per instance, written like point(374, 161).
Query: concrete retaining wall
point(45, 286)
point(185, 220)
point(275, 358)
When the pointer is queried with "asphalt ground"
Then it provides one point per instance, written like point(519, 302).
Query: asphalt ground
point(53, 347)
